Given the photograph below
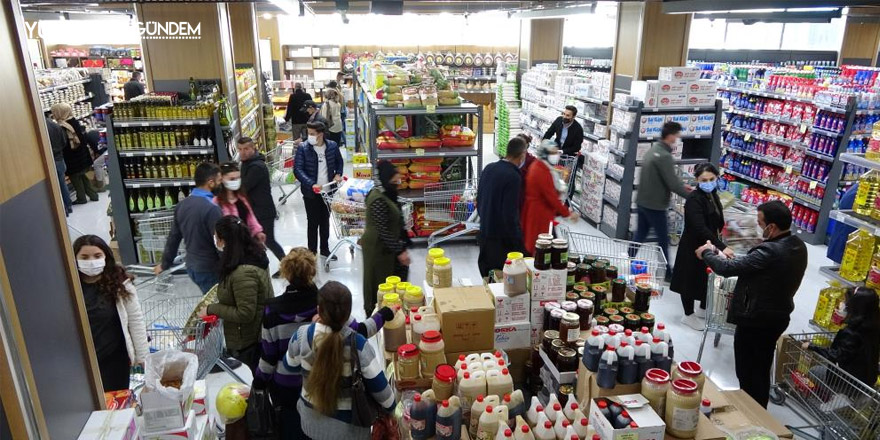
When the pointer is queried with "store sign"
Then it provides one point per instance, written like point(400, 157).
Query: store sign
point(170, 30)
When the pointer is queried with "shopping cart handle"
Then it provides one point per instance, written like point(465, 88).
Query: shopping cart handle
point(708, 270)
point(328, 185)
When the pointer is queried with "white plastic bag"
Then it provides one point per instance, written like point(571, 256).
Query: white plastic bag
point(171, 365)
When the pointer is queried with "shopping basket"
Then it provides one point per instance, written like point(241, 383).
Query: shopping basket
point(841, 406)
point(453, 202)
point(719, 294)
point(635, 262)
point(153, 227)
point(280, 162)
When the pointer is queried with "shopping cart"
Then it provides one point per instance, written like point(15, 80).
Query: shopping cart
point(635, 262)
point(719, 294)
point(453, 202)
point(153, 227)
point(567, 169)
point(841, 406)
point(280, 161)
point(349, 218)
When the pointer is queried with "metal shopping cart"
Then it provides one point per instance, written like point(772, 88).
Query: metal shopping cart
point(719, 294)
point(635, 262)
point(153, 227)
point(280, 161)
point(841, 406)
point(567, 167)
point(453, 202)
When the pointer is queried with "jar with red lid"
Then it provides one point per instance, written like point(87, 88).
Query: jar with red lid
point(690, 370)
point(408, 362)
point(655, 384)
point(444, 379)
point(682, 408)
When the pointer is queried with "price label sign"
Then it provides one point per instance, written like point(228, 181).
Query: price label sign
point(788, 169)
point(747, 137)
point(803, 128)
point(813, 184)
point(166, 123)
point(431, 109)
point(421, 152)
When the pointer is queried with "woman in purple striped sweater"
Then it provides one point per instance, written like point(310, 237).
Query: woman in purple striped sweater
point(282, 317)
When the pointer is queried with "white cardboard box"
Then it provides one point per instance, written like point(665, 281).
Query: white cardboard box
point(646, 91)
point(163, 414)
point(700, 100)
point(652, 121)
point(120, 426)
point(678, 74)
point(200, 391)
point(703, 86)
point(514, 335)
point(650, 132)
point(684, 120)
point(672, 87)
point(188, 431)
point(537, 319)
point(650, 425)
point(509, 308)
point(703, 118)
point(672, 100)
point(549, 284)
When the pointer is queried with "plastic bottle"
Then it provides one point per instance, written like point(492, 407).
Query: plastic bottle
point(422, 417)
point(622, 420)
point(661, 332)
point(499, 383)
point(593, 350)
point(559, 428)
point(615, 409)
point(581, 424)
point(607, 375)
point(869, 184)
point(423, 323)
point(642, 356)
point(604, 409)
point(448, 424)
point(553, 408)
point(571, 433)
point(477, 410)
point(612, 339)
point(504, 432)
point(534, 409)
point(432, 351)
point(515, 275)
point(571, 407)
point(544, 430)
point(857, 255)
point(487, 427)
point(516, 405)
point(627, 368)
point(628, 337)
point(502, 412)
point(469, 388)
point(394, 331)
point(660, 355)
point(462, 361)
point(706, 407)
point(523, 432)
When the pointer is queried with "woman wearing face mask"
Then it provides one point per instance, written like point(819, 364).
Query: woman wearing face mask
point(114, 311)
point(385, 240)
point(703, 221)
point(243, 289)
point(234, 202)
point(544, 188)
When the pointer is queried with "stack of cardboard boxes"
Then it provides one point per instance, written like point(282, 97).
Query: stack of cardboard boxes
point(676, 87)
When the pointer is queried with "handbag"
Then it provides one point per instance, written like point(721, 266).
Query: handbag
point(363, 407)
point(260, 415)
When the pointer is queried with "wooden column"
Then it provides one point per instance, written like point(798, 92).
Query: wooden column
point(545, 40)
point(861, 41)
point(267, 29)
point(244, 34)
point(49, 374)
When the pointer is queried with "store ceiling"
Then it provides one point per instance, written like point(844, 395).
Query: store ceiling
point(417, 7)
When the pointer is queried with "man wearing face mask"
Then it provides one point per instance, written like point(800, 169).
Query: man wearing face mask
point(317, 163)
point(194, 220)
point(544, 189)
point(499, 203)
point(257, 189)
point(769, 276)
point(566, 132)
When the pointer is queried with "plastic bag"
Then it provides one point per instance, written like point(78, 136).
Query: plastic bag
point(261, 421)
point(171, 373)
point(231, 402)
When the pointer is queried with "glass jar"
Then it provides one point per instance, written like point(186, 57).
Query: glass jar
point(617, 319)
point(589, 296)
point(648, 321)
point(585, 312)
point(555, 346)
point(536, 360)
point(545, 236)
point(569, 306)
point(543, 254)
point(611, 272)
point(632, 322)
point(547, 309)
point(442, 273)
point(580, 289)
point(625, 311)
point(571, 276)
point(433, 254)
point(583, 273)
point(600, 291)
point(618, 290)
point(682, 409)
point(570, 328)
point(547, 339)
point(691, 371)
point(444, 378)
point(574, 258)
point(643, 297)
point(654, 388)
point(589, 259)
point(566, 360)
point(559, 257)
point(572, 296)
point(408, 362)
point(602, 320)
point(598, 273)
point(556, 318)
point(610, 311)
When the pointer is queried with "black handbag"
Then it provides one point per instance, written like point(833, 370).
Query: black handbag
point(363, 408)
point(260, 415)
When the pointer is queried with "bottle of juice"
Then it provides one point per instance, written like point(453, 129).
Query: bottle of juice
point(857, 255)
point(865, 196)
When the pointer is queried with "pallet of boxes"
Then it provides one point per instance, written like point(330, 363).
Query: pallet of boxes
point(173, 400)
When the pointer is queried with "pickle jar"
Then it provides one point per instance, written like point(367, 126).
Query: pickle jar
point(601, 292)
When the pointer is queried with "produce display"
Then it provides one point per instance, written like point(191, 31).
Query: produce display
point(416, 86)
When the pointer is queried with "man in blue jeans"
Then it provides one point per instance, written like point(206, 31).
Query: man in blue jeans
point(658, 181)
point(194, 220)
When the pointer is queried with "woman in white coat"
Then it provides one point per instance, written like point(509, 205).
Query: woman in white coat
point(114, 311)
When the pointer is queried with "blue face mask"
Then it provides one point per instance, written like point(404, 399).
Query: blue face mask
point(708, 187)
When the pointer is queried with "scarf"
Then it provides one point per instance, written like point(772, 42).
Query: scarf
point(387, 170)
point(61, 113)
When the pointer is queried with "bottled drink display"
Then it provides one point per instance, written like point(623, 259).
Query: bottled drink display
point(160, 107)
point(163, 167)
point(857, 255)
point(150, 138)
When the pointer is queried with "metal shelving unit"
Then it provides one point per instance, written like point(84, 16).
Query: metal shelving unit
point(696, 149)
point(121, 187)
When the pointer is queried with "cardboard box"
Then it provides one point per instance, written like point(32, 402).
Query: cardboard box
point(163, 414)
point(734, 409)
point(200, 391)
point(548, 284)
point(588, 389)
point(513, 335)
point(188, 431)
point(651, 425)
point(652, 121)
point(672, 101)
point(672, 88)
point(110, 425)
point(700, 100)
point(703, 118)
point(678, 74)
point(467, 318)
point(559, 378)
point(703, 86)
point(684, 120)
point(517, 365)
point(646, 91)
point(509, 309)
point(537, 319)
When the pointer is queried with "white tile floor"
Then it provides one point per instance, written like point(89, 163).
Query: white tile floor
point(717, 361)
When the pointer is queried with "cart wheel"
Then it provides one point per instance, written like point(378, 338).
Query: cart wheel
point(351, 250)
point(717, 340)
point(777, 397)
point(327, 267)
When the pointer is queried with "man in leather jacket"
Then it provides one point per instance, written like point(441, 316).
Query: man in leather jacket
point(769, 276)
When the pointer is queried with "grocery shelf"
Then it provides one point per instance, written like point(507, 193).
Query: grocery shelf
point(833, 272)
point(765, 137)
point(613, 176)
point(762, 158)
point(84, 98)
point(685, 161)
point(825, 132)
point(684, 136)
point(812, 182)
point(158, 183)
point(780, 119)
point(849, 217)
point(159, 122)
point(406, 153)
point(617, 152)
point(594, 120)
point(592, 137)
point(684, 109)
point(591, 100)
point(797, 199)
point(859, 159)
point(610, 201)
point(818, 155)
point(184, 151)
point(463, 108)
point(63, 86)
point(873, 111)
point(245, 91)
point(768, 94)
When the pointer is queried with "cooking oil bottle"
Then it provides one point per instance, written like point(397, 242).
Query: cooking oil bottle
point(857, 256)
point(873, 279)
point(869, 184)
point(873, 150)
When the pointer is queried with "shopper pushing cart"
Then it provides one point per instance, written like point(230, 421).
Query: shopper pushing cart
point(544, 188)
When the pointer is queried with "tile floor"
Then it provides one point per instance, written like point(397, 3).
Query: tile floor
point(717, 361)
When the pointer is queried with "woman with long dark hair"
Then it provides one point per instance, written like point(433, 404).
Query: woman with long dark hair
point(114, 311)
point(233, 201)
point(243, 288)
point(319, 353)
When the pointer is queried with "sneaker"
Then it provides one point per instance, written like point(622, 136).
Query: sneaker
point(693, 322)
point(701, 313)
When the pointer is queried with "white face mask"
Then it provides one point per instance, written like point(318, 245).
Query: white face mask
point(91, 267)
point(313, 140)
point(553, 158)
point(233, 185)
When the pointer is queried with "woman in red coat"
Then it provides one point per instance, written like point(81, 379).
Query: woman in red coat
point(543, 191)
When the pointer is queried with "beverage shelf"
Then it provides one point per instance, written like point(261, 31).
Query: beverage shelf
point(849, 217)
point(860, 160)
point(159, 122)
point(157, 183)
point(184, 151)
point(762, 158)
point(833, 272)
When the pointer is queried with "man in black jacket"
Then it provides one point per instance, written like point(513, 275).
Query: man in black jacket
point(256, 186)
point(134, 87)
point(296, 114)
point(568, 132)
point(769, 276)
point(58, 140)
point(318, 162)
point(499, 204)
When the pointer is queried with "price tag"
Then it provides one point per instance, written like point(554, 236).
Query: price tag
point(420, 151)
point(747, 137)
point(788, 169)
point(148, 154)
point(813, 184)
point(431, 109)
point(157, 185)
point(728, 127)
point(169, 153)
point(803, 128)
point(166, 124)
point(145, 124)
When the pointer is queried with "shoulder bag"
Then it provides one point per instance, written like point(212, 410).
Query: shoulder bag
point(363, 408)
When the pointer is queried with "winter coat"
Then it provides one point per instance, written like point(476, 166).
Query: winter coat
point(331, 111)
point(57, 139)
point(232, 209)
point(703, 221)
point(499, 201)
point(856, 351)
point(658, 179)
point(769, 277)
point(573, 140)
point(305, 165)
point(542, 203)
point(295, 113)
point(132, 319)
point(79, 159)
point(240, 300)
point(256, 186)
point(383, 240)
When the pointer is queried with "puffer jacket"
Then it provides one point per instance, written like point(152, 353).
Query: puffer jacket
point(769, 276)
point(856, 349)
point(257, 187)
point(240, 300)
point(305, 165)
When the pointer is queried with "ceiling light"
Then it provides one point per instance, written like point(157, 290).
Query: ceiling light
point(267, 16)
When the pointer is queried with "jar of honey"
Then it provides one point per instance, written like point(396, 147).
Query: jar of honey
point(570, 328)
point(543, 254)
point(585, 312)
point(559, 256)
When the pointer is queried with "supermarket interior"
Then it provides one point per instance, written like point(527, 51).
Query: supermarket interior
point(551, 220)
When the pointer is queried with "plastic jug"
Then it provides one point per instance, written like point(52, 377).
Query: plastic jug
point(499, 382)
point(571, 433)
point(477, 410)
point(553, 408)
point(503, 413)
point(473, 384)
point(544, 430)
point(500, 355)
point(559, 428)
point(516, 276)
point(519, 421)
point(570, 407)
point(504, 432)
point(642, 356)
point(490, 366)
point(464, 369)
point(593, 350)
point(607, 375)
point(413, 296)
point(487, 427)
point(663, 334)
point(523, 432)
point(458, 363)
point(660, 355)
point(394, 331)
point(581, 424)
point(645, 336)
point(612, 339)
point(425, 310)
point(615, 409)
point(422, 323)
point(516, 404)
point(535, 408)
point(627, 368)
point(473, 357)
point(628, 337)
point(422, 417)
point(448, 424)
